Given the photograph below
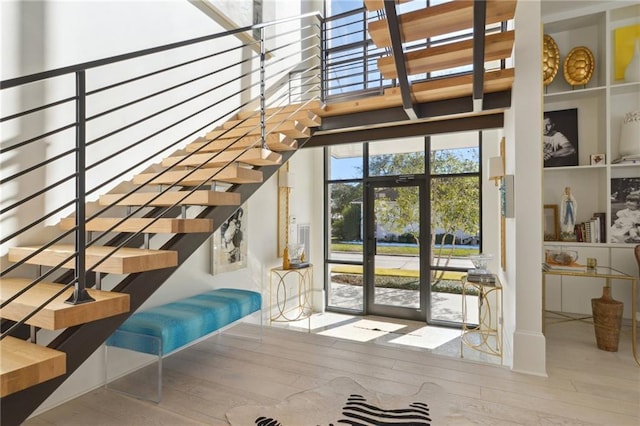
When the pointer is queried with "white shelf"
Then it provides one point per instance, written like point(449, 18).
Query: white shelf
point(576, 93)
point(575, 168)
point(601, 108)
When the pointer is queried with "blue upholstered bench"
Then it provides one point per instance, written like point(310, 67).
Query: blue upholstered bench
point(167, 328)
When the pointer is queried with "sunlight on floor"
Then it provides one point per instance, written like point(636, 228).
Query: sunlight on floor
point(390, 332)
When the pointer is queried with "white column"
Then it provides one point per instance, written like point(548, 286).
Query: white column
point(523, 124)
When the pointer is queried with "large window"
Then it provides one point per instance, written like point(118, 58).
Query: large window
point(450, 167)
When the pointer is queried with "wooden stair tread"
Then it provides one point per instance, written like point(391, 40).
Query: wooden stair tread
point(160, 226)
point(24, 364)
point(124, 261)
point(254, 156)
point(304, 117)
point(373, 5)
point(275, 142)
point(433, 90)
point(459, 86)
point(315, 106)
point(196, 198)
point(229, 174)
point(292, 129)
point(497, 46)
point(441, 19)
point(57, 314)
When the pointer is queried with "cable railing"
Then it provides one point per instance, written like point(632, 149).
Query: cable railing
point(126, 113)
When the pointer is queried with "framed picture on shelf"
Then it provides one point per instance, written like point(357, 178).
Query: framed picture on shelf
point(551, 224)
point(597, 159)
point(625, 210)
point(560, 138)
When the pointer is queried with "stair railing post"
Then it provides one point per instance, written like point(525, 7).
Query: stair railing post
point(80, 294)
point(324, 75)
point(263, 52)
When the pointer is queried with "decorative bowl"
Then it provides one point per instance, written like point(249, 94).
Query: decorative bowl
point(562, 257)
point(481, 261)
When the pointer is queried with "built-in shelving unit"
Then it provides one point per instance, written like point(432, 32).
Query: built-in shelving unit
point(601, 107)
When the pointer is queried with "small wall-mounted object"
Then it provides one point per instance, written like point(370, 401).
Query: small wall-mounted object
point(507, 197)
point(496, 169)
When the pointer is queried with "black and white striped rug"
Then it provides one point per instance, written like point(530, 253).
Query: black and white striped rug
point(343, 401)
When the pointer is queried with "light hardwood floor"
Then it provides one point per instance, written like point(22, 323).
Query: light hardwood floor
point(584, 385)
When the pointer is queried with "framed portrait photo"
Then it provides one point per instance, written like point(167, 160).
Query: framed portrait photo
point(229, 243)
point(560, 138)
point(625, 210)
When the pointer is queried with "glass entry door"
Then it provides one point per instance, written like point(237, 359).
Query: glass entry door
point(395, 247)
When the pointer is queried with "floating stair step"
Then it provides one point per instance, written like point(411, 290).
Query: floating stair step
point(316, 106)
point(24, 364)
point(124, 261)
point(230, 174)
point(170, 198)
point(456, 87)
point(497, 46)
point(293, 129)
point(304, 117)
point(444, 18)
point(57, 314)
point(428, 91)
point(160, 226)
point(254, 157)
point(275, 142)
point(373, 5)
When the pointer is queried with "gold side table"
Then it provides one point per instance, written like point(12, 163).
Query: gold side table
point(291, 307)
point(486, 336)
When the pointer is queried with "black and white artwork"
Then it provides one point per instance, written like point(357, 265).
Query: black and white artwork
point(625, 210)
point(230, 243)
point(560, 138)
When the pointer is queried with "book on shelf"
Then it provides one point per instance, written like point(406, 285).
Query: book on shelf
point(571, 267)
point(603, 226)
point(592, 231)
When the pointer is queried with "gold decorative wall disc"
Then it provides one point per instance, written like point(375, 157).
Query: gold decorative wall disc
point(578, 66)
point(550, 59)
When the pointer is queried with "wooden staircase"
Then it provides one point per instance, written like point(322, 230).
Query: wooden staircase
point(439, 20)
point(217, 172)
point(222, 160)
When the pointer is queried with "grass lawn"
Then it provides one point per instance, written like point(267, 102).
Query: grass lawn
point(354, 269)
point(401, 250)
point(397, 278)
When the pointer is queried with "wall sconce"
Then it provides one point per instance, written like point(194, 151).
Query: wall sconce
point(496, 169)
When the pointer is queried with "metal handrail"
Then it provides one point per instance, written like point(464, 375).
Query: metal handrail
point(274, 64)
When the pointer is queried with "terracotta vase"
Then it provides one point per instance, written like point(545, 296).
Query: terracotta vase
point(607, 320)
